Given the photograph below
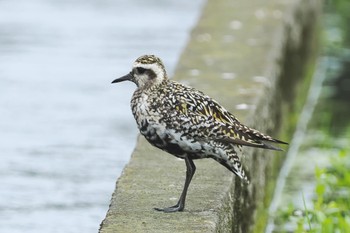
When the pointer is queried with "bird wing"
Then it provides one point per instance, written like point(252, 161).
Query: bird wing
point(207, 120)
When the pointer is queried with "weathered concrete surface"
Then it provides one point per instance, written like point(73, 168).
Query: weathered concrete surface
point(254, 58)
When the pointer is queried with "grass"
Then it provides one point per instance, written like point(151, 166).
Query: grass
point(329, 210)
point(331, 206)
point(306, 213)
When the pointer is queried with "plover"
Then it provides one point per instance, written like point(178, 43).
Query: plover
point(187, 123)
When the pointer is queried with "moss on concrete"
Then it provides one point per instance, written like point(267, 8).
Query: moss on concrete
point(251, 56)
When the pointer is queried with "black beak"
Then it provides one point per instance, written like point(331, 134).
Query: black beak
point(127, 77)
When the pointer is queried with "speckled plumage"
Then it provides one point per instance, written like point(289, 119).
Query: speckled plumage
point(187, 123)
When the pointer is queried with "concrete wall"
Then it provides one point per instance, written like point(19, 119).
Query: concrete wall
point(254, 57)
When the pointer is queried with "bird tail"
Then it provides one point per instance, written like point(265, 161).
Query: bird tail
point(262, 143)
point(232, 162)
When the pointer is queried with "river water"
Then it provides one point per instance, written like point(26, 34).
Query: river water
point(65, 132)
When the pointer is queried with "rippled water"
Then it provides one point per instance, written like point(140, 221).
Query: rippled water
point(65, 132)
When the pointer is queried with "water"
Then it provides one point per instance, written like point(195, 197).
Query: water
point(65, 132)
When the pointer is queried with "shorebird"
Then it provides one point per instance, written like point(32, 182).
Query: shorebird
point(187, 123)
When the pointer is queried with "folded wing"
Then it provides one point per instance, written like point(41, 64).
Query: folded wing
point(206, 120)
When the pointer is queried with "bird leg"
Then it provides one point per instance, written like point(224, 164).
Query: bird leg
point(191, 169)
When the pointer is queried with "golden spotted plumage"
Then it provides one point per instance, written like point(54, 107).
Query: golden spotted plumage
point(187, 123)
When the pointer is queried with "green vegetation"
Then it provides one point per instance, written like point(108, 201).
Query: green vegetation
point(341, 9)
point(331, 207)
point(328, 133)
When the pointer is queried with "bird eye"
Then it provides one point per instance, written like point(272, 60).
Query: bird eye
point(140, 70)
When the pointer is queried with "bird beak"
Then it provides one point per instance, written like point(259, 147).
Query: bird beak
point(127, 77)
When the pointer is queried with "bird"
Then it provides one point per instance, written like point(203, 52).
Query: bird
point(187, 123)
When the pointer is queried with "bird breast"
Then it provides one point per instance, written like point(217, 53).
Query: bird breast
point(154, 124)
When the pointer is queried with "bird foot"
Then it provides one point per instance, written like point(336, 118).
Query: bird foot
point(171, 209)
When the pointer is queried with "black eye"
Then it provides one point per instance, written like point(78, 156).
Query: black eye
point(140, 70)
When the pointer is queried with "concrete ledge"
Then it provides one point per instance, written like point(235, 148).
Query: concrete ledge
point(254, 58)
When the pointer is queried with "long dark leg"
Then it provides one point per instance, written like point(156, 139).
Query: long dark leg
point(191, 169)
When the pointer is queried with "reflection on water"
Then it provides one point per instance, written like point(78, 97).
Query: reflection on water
point(65, 132)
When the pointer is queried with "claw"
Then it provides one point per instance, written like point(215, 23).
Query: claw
point(171, 209)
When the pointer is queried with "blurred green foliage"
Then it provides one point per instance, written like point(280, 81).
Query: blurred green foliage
point(341, 10)
point(331, 207)
point(330, 210)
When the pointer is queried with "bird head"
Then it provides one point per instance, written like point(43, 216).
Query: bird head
point(147, 71)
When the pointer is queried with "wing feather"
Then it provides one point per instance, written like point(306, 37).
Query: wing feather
point(208, 120)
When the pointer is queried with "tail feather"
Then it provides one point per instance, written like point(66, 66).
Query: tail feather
point(278, 141)
point(270, 147)
point(251, 143)
point(232, 162)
